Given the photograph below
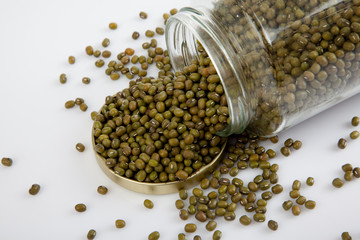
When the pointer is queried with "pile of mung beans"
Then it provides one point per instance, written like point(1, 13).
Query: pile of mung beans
point(163, 129)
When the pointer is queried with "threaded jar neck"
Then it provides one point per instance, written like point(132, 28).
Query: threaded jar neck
point(182, 32)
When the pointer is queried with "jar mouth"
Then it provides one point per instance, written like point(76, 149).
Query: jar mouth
point(183, 31)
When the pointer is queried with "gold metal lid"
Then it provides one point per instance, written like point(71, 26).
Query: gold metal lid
point(159, 188)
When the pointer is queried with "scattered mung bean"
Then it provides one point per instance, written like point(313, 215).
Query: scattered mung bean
point(296, 210)
point(310, 204)
point(148, 204)
point(106, 54)
point(301, 200)
point(173, 11)
point(113, 25)
point(296, 185)
point(287, 205)
point(179, 204)
point(310, 181)
point(63, 78)
point(143, 15)
point(217, 235)
point(181, 236)
point(34, 189)
point(135, 35)
point(97, 53)
point(245, 220)
point(71, 59)
point(297, 145)
point(91, 234)
point(190, 227)
point(80, 147)
point(276, 189)
point(6, 161)
point(285, 151)
point(273, 225)
point(154, 235)
point(80, 207)
point(338, 183)
point(342, 143)
point(349, 175)
point(346, 236)
point(105, 43)
point(354, 134)
point(83, 107)
point(89, 50)
point(211, 225)
point(149, 33)
point(102, 190)
point(355, 121)
point(120, 223)
point(356, 172)
point(159, 30)
point(85, 80)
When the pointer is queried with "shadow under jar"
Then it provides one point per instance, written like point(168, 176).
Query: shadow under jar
point(280, 61)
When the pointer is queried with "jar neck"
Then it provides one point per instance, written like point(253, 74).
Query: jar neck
point(190, 25)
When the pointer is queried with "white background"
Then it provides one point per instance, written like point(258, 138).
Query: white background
point(39, 134)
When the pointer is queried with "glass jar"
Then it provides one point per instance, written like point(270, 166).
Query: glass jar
point(280, 61)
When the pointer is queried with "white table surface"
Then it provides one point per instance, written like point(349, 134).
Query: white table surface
point(39, 134)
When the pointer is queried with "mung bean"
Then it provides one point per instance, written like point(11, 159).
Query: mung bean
point(80, 147)
point(105, 43)
point(183, 214)
point(148, 203)
point(296, 210)
point(91, 234)
point(34, 189)
point(6, 161)
point(80, 207)
point(349, 175)
point(310, 204)
point(71, 59)
point(287, 205)
point(89, 50)
point(310, 181)
point(69, 104)
point(190, 227)
point(355, 121)
point(83, 107)
point(245, 220)
point(120, 223)
point(285, 151)
point(273, 225)
point(63, 78)
point(143, 15)
point(179, 204)
point(217, 235)
point(181, 236)
point(135, 35)
point(354, 134)
point(297, 145)
point(338, 183)
point(300, 200)
point(113, 25)
point(85, 80)
point(346, 236)
point(356, 172)
point(211, 225)
point(154, 235)
point(102, 190)
point(342, 143)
